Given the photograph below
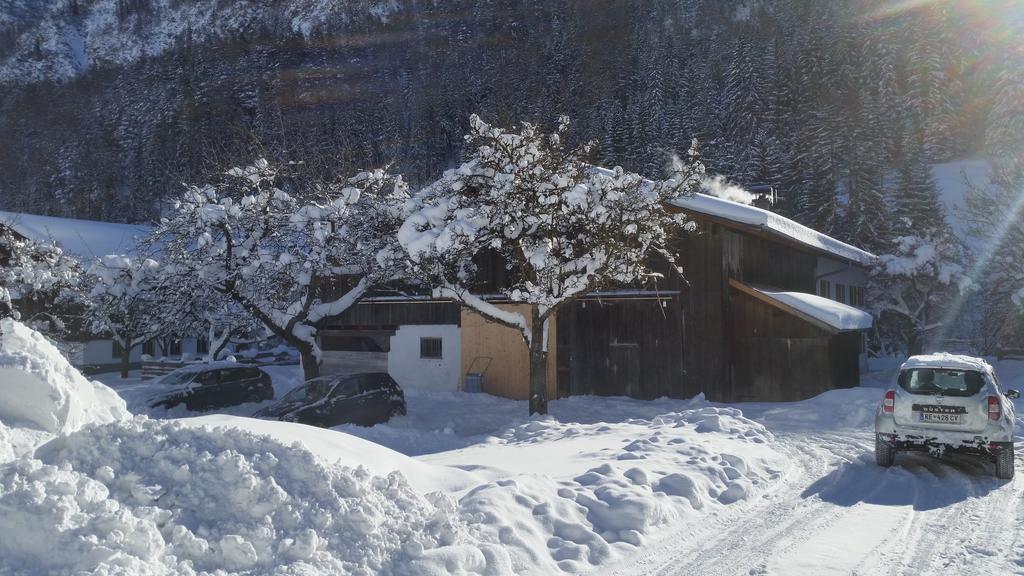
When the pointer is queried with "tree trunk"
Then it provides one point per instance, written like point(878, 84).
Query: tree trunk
point(217, 348)
point(126, 352)
point(914, 343)
point(538, 365)
point(310, 366)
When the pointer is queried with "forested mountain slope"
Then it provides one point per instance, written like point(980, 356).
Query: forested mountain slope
point(108, 105)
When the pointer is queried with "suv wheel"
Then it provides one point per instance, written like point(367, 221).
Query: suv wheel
point(1004, 463)
point(885, 454)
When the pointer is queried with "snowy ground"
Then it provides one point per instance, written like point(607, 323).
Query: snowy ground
point(602, 485)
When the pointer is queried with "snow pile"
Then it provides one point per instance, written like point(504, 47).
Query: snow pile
point(41, 389)
point(155, 497)
point(566, 497)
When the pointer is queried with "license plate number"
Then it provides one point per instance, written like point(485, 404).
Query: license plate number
point(938, 418)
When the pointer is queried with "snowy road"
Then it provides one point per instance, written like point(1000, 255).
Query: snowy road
point(837, 513)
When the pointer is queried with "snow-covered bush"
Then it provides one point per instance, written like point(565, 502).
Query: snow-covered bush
point(562, 228)
point(289, 257)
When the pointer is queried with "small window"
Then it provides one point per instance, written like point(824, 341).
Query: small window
point(147, 348)
point(175, 348)
point(202, 346)
point(857, 295)
point(430, 348)
point(824, 288)
point(840, 293)
point(116, 350)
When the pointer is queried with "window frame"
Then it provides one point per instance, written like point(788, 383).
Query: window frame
point(426, 348)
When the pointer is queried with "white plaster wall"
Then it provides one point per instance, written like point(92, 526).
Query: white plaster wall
point(411, 371)
point(102, 352)
point(839, 273)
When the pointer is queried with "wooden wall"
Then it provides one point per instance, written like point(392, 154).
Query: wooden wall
point(631, 346)
point(393, 314)
point(703, 304)
point(509, 372)
point(710, 257)
point(778, 357)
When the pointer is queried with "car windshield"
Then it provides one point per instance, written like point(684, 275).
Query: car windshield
point(941, 381)
point(310, 392)
point(179, 378)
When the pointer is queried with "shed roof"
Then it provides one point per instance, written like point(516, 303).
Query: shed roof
point(823, 312)
point(771, 223)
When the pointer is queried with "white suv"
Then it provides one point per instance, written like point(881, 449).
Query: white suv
point(942, 402)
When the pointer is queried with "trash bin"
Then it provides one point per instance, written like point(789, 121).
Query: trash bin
point(474, 382)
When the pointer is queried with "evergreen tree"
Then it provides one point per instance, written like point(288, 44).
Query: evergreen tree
point(1005, 135)
point(917, 208)
point(995, 215)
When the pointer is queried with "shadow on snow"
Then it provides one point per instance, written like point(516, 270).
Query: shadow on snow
point(917, 480)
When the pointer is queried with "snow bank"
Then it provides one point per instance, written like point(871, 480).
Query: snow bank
point(569, 497)
point(159, 497)
point(41, 389)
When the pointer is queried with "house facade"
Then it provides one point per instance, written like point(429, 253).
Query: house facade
point(751, 320)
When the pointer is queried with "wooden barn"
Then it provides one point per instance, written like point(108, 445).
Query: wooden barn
point(768, 311)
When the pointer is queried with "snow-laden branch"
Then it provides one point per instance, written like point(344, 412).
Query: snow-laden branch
point(278, 252)
point(507, 318)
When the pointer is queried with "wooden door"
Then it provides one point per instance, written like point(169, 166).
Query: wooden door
point(624, 368)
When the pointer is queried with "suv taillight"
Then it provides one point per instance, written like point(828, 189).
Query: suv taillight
point(889, 402)
point(995, 411)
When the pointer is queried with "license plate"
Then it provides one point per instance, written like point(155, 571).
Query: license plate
point(939, 418)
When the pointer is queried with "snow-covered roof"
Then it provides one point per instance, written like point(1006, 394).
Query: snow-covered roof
point(947, 360)
point(82, 238)
point(771, 223)
point(835, 315)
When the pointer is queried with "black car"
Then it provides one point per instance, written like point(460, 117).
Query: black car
point(364, 399)
point(209, 386)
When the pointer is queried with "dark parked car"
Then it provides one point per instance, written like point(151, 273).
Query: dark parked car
point(215, 385)
point(364, 399)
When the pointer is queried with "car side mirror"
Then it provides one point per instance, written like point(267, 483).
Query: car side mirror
point(1012, 394)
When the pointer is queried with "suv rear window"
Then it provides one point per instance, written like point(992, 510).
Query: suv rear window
point(935, 381)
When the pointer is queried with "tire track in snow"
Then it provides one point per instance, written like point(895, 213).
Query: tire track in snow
point(942, 516)
point(740, 539)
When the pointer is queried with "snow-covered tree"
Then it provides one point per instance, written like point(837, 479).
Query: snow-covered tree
point(193, 308)
point(995, 213)
point(1005, 135)
point(911, 289)
point(561, 227)
point(917, 208)
point(123, 301)
point(277, 251)
point(34, 277)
